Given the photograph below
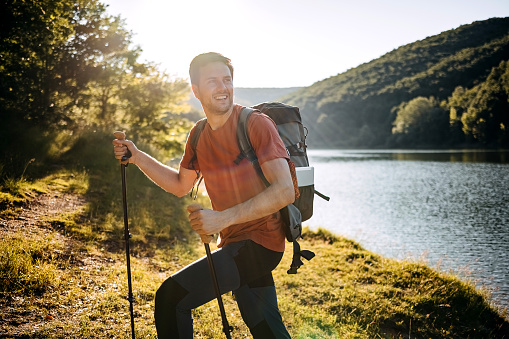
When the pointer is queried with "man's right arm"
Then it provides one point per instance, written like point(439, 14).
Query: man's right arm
point(176, 182)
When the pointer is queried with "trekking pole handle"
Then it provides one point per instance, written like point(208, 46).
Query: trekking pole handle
point(121, 136)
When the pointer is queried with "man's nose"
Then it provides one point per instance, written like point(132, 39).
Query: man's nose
point(223, 85)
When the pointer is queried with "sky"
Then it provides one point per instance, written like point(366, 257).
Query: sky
point(289, 43)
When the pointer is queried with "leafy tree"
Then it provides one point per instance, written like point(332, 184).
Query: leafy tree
point(68, 66)
point(150, 98)
point(487, 116)
point(421, 121)
point(30, 35)
point(98, 57)
point(458, 104)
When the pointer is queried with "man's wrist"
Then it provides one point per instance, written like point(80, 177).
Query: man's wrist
point(135, 158)
point(230, 216)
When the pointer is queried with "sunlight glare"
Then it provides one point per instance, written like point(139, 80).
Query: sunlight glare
point(186, 29)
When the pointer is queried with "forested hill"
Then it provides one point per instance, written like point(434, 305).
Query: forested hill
point(448, 90)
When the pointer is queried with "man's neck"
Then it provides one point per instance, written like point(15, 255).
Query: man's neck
point(216, 121)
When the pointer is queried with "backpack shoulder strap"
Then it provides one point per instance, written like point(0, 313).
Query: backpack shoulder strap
point(193, 139)
point(246, 149)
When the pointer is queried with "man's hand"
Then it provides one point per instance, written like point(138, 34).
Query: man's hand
point(120, 148)
point(205, 222)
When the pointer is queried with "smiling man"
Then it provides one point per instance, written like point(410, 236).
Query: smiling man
point(245, 212)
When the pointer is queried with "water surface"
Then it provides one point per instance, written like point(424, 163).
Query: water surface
point(450, 208)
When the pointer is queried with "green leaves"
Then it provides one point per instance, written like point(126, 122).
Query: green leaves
point(67, 66)
point(485, 108)
point(421, 121)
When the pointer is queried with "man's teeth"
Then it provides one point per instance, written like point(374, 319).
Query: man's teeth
point(221, 97)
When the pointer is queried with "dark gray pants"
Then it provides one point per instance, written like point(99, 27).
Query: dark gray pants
point(244, 268)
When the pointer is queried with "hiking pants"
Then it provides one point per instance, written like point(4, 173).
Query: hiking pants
point(244, 268)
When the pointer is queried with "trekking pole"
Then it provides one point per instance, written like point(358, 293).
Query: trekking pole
point(226, 327)
point(123, 164)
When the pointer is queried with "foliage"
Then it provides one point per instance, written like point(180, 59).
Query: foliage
point(421, 121)
point(358, 107)
point(67, 67)
point(156, 218)
point(482, 111)
point(15, 192)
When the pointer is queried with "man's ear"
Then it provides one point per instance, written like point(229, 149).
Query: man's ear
point(196, 91)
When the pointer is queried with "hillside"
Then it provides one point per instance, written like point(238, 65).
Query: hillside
point(357, 108)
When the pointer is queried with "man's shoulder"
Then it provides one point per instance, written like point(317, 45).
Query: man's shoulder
point(258, 119)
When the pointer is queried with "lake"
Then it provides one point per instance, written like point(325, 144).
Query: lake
point(449, 208)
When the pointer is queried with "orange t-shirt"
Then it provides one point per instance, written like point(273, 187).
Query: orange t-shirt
point(229, 184)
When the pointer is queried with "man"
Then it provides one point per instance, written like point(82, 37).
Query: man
point(245, 211)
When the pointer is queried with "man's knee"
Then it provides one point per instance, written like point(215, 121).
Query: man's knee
point(170, 293)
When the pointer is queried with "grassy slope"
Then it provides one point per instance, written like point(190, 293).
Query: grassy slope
point(66, 277)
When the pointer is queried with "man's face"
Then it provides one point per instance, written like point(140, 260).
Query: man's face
point(215, 88)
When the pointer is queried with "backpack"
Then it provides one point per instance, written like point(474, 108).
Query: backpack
point(293, 133)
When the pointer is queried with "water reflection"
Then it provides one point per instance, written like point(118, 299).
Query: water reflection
point(449, 206)
point(475, 156)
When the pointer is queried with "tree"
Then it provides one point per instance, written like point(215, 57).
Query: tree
point(66, 65)
point(31, 32)
point(458, 104)
point(486, 119)
point(421, 122)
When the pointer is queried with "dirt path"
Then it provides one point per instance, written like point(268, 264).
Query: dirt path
point(41, 206)
point(30, 222)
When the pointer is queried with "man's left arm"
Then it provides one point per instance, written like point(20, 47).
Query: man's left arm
point(279, 194)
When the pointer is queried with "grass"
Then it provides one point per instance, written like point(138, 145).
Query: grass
point(353, 293)
point(14, 193)
point(23, 266)
point(344, 292)
point(66, 277)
